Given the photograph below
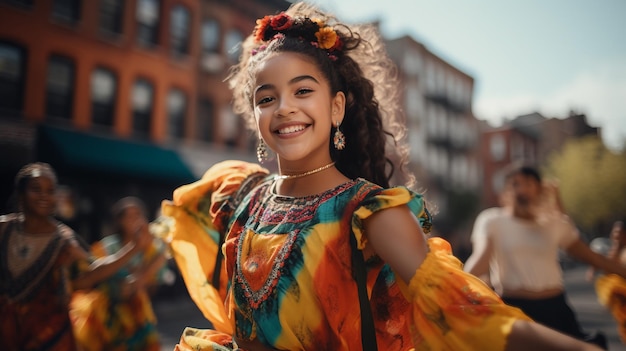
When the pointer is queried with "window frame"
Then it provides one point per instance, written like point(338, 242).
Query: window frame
point(180, 45)
point(73, 16)
point(69, 94)
point(110, 122)
point(150, 29)
point(116, 18)
point(176, 122)
point(143, 125)
point(17, 86)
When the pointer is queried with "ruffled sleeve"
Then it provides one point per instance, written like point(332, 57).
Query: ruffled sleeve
point(197, 219)
point(451, 309)
point(386, 198)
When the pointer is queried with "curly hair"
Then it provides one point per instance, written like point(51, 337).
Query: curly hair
point(373, 125)
point(30, 171)
point(118, 210)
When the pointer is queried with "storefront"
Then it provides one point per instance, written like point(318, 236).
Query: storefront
point(95, 171)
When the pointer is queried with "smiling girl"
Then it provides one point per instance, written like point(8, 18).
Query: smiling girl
point(326, 254)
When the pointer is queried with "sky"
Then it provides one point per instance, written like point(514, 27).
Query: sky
point(546, 56)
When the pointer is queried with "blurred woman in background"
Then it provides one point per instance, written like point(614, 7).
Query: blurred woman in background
point(118, 314)
point(611, 288)
point(43, 262)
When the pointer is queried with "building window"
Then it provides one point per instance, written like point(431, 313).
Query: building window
point(103, 91)
point(210, 36)
point(179, 30)
point(517, 149)
point(12, 76)
point(229, 127)
point(412, 63)
point(232, 43)
point(498, 181)
point(176, 112)
point(66, 10)
point(412, 100)
point(60, 87)
point(142, 100)
point(212, 61)
point(497, 147)
point(111, 16)
point(148, 21)
point(204, 120)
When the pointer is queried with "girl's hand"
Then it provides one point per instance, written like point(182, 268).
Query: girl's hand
point(551, 196)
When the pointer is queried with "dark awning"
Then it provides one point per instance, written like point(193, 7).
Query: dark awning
point(83, 152)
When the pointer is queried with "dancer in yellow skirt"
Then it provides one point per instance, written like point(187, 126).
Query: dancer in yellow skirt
point(611, 288)
point(327, 254)
point(117, 315)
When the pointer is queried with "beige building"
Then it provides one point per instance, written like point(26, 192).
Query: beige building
point(442, 131)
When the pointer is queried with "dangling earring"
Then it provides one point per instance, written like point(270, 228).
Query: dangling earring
point(261, 151)
point(339, 140)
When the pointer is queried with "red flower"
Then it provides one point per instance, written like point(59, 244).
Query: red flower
point(281, 22)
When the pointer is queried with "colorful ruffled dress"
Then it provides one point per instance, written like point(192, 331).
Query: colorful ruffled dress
point(286, 279)
point(34, 294)
point(103, 320)
point(611, 291)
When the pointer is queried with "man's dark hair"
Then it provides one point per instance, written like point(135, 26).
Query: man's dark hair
point(525, 170)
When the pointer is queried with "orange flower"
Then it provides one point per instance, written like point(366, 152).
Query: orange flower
point(261, 27)
point(318, 21)
point(326, 37)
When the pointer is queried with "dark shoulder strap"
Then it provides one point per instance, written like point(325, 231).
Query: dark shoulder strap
point(359, 273)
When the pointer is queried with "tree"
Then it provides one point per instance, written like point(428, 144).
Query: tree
point(592, 181)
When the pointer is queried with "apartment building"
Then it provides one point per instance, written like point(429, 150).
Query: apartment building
point(442, 132)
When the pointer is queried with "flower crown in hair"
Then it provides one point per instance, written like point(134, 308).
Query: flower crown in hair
point(308, 29)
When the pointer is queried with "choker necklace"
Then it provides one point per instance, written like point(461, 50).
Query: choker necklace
point(291, 176)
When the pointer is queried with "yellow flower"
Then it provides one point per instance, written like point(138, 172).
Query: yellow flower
point(326, 37)
point(318, 21)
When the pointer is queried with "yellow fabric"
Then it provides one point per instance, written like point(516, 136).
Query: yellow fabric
point(194, 235)
point(391, 197)
point(611, 291)
point(453, 310)
point(194, 339)
point(102, 319)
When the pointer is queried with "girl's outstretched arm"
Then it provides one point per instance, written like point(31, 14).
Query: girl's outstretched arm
point(453, 309)
point(534, 336)
point(105, 267)
point(396, 236)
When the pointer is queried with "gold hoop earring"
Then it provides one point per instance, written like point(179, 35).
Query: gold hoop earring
point(339, 140)
point(261, 151)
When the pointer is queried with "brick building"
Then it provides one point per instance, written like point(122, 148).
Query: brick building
point(528, 139)
point(121, 97)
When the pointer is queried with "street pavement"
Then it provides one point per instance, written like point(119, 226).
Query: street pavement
point(175, 313)
point(591, 315)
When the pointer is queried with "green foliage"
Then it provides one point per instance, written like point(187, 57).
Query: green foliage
point(592, 181)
